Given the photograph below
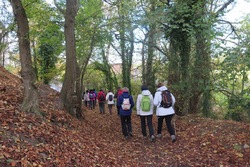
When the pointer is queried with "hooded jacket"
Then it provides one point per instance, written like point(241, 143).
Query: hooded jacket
point(107, 98)
point(160, 111)
point(138, 103)
point(120, 101)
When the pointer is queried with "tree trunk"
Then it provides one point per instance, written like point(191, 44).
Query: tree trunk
point(201, 94)
point(3, 35)
point(129, 56)
point(30, 101)
point(127, 49)
point(150, 76)
point(178, 68)
point(70, 94)
point(122, 45)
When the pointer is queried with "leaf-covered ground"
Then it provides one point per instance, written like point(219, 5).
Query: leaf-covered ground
point(61, 140)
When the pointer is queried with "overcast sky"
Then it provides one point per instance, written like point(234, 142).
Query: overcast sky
point(240, 9)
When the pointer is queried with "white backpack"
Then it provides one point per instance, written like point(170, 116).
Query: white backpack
point(126, 104)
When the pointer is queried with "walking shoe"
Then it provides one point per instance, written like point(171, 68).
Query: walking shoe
point(152, 138)
point(144, 137)
point(125, 137)
point(159, 135)
point(173, 138)
point(130, 134)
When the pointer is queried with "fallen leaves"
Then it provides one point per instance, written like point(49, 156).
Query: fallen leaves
point(61, 140)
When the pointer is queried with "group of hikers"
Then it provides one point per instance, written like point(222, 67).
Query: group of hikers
point(90, 98)
point(163, 100)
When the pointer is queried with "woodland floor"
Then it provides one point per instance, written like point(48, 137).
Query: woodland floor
point(60, 140)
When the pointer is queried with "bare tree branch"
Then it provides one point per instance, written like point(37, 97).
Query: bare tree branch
point(223, 7)
point(232, 27)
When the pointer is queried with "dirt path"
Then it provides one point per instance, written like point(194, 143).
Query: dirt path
point(62, 140)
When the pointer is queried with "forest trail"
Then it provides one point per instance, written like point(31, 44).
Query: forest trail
point(62, 140)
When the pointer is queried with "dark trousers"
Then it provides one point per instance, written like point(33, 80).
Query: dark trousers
point(118, 109)
point(126, 125)
point(91, 104)
point(101, 107)
point(86, 103)
point(147, 118)
point(168, 120)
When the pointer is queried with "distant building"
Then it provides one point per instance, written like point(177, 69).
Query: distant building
point(135, 72)
point(117, 68)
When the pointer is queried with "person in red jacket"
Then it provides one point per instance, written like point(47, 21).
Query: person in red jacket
point(117, 94)
point(101, 97)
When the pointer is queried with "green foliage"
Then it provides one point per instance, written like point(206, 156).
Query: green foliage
point(238, 109)
point(235, 114)
point(47, 61)
point(46, 37)
point(94, 79)
point(136, 85)
point(91, 33)
point(179, 19)
point(108, 79)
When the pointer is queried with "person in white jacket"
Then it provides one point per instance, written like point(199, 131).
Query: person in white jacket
point(164, 113)
point(146, 115)
point(110, 100)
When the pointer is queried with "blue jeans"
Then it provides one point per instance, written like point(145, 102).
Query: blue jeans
point(168, 119)
point(149, 123)
point(126, 125)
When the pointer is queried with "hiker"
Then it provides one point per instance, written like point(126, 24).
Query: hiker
point(86, 98)
point(117, 94)
point(92, 97)
point(125, 104)
point(164, 113)
point(145, 109)
point(95, 92)
point(101, 97)
point(110, 100)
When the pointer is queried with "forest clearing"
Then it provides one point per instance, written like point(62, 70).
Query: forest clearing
point(58, 139)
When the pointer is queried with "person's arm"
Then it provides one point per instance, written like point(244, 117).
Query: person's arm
point(157, 98)
point(132, 102)
point(151, 103)
point(173, 99)
point(107, 98)
point(98, 95)
point(138, 105)
point(119, 99)
point(116, 94)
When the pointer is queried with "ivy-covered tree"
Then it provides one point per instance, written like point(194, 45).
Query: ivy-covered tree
point(46, 39)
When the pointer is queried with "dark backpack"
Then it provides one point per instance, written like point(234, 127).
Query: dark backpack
point(102, 98)
point(166, 99)
point(110, 97)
